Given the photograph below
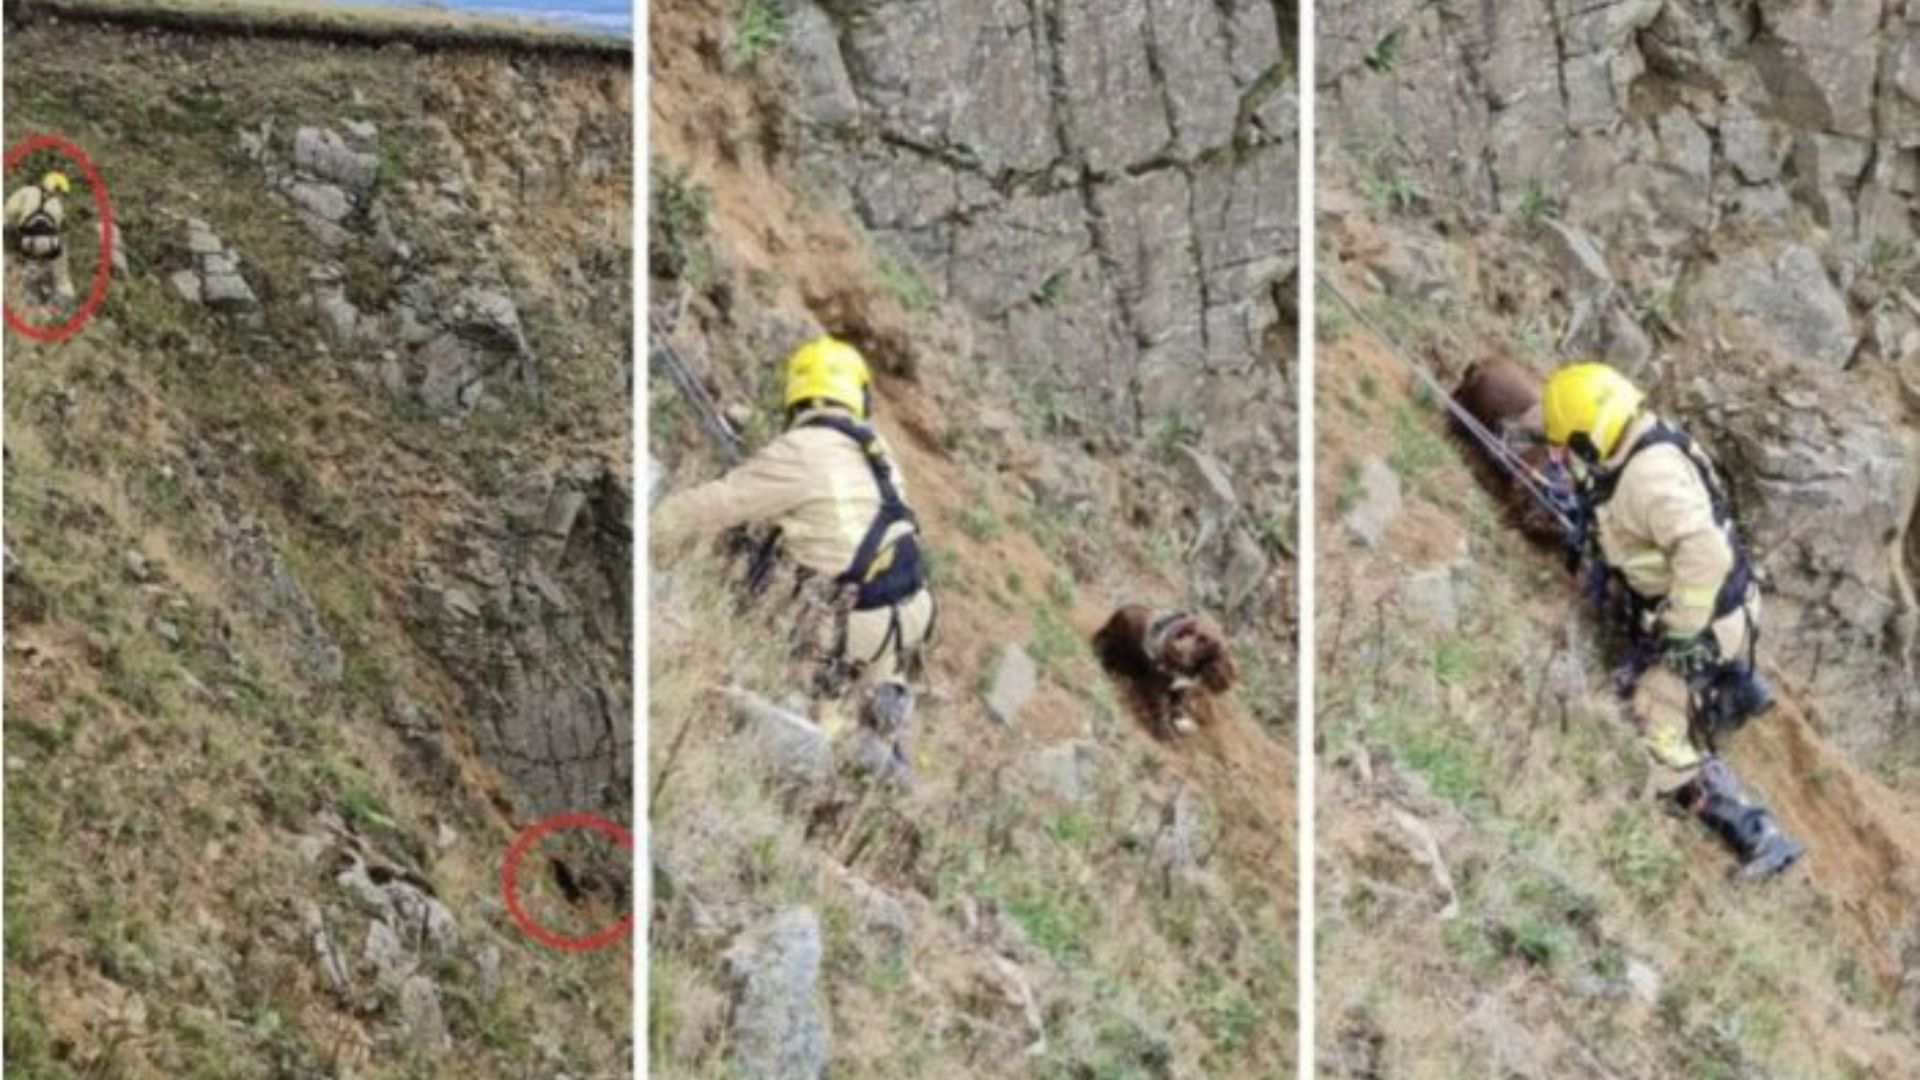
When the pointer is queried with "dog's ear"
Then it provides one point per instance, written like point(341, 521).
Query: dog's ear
point(1218, 673)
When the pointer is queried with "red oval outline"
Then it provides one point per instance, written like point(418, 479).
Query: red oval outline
point(103, 270)
point(509, 876)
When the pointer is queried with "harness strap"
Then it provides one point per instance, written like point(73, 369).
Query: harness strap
point(1161, 628)
point(884, 573)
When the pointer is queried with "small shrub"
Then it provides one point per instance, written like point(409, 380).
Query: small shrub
point(1390, 189)
point(682, 214)
point(1052, 290)
point(1384, 57)
point(1534, 207)
point(1170, 431)
point(1537, 941)
point(759, 28)
point(1889, 258)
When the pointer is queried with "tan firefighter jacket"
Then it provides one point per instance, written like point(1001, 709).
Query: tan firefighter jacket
point(1658, 531)
point(812, 482)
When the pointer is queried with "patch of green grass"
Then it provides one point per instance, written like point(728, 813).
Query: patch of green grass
point(1641, 861)
point(1170, 431)
point(1384, 57)
point(1388, 188)
point(1276, 531)
point(759, 28)
point(1054, 642)
point(888, 975)
point(979, 521)
point(1537, 941)
point(1046, 413)
point(1469, 942)
point(352, 790)
point(1331, 319)
point(1656, 308)
point(1056, 919)
point(682, 217)
point(1072, 829)
point(1229, 1017)
point(1266, 688)
point(29, 1045)
point(1347, 495)
point(1452, 767)
point(1535, 206)
point(1889, 258)
point(1061, 589)
point(1455, 660)
point(1051, 291)
point(1417, 447)
point(901, 280)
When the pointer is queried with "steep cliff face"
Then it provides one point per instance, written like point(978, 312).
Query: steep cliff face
point(318, 539)
point(1108, 189)
point(1057, 894)
point(1719, 198)
point(1742, 184)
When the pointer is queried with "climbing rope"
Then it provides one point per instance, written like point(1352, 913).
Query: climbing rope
point(1503, 455)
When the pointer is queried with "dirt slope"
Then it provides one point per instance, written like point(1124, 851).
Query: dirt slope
point(1486, 820)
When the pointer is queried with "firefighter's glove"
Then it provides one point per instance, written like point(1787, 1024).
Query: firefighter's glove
point(1692, 656)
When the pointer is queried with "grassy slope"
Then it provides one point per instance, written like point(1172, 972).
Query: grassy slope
point(155, 788)
point(1134, 975)
point(1568, 879)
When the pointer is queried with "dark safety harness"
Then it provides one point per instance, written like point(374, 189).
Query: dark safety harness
point(39, 235)
point(882, 573)
point(1606, 582)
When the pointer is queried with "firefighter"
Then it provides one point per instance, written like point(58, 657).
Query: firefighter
point(35, 217)
point(833, 489)
point(1656, 519)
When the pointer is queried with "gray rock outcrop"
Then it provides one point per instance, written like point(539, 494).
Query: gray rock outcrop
point(529, 616)
point(215, 278)
point(779, 1021)
point(1108, 184)
point(1745, 180)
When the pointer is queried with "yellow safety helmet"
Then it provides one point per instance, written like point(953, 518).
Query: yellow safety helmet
point(1589, 400)
point(828, 369)
point(56, 181)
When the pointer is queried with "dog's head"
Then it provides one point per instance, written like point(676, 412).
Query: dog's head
point(1195, 649)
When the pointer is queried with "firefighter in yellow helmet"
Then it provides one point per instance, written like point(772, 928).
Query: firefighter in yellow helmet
point(833, 489)
point(1658, 531)
point(35, 217)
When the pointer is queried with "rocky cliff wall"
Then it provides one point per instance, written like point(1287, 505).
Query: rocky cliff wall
point(1108, 188)
point(1729, 196)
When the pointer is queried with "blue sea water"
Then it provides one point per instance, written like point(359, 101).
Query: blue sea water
point(614, 17)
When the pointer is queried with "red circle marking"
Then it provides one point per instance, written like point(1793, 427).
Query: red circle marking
point(509, 873)
point(103, 272)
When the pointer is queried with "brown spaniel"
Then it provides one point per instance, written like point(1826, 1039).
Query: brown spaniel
point(1170, 663)
point(1505, 398)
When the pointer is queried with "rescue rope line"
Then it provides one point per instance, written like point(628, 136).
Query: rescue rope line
point(1503, 455)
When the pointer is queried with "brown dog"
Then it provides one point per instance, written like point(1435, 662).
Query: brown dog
point(1505, 398)
point(1171, 664)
